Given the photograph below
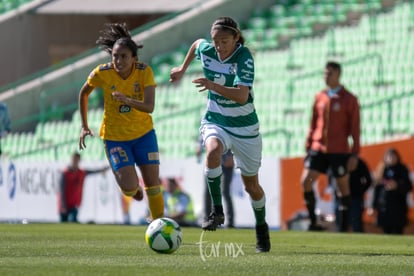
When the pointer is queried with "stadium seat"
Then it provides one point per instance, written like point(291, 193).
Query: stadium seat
point(278, 65)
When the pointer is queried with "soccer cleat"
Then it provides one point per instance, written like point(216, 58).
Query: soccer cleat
point(139, 195)
point(316, 227)
point(262, 238)
point(212, 222)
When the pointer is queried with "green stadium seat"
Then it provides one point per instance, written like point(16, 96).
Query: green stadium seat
point(276, 107)
point(256, 23)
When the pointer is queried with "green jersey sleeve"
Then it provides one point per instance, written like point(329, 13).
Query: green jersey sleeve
point(204, 44)
point(245, 69)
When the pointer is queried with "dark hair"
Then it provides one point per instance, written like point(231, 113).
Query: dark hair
point(76, 154)
point(393, 151)
point(228, 24)
point(117, 34)
point(334, 65)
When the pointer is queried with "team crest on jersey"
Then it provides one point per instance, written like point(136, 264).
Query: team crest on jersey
point(233, 69)
point(113, 88)
point(336, 107)
point(136, 87)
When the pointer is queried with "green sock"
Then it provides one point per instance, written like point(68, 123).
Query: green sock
point(259, 208)
point(215, 189)
point(213, 178)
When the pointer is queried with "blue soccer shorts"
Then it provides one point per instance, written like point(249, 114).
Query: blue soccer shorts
point(140, 151)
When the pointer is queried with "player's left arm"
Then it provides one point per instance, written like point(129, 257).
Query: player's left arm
point(145, 106)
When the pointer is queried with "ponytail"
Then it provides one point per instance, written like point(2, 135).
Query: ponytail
point(117, 34)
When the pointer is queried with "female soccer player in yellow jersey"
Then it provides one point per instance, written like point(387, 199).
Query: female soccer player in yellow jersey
point(127, 128)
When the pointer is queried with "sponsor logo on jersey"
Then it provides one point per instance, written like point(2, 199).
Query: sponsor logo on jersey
point(123, 108)
point(220, 79)
point(224, 101)
point(206, 62)
point(249, 63)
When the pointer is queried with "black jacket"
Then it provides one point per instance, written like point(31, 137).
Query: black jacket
point(360, 180)
point(392, 205)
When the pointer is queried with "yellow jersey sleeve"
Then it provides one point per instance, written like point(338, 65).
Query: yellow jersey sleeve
point(149, 75)
point(94, 78)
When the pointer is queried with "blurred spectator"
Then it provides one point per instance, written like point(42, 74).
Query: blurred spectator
point(178, 204)
point(4, 122)
point(335, 119)
point(390, 195)
point(71, 189)
point(359, 181)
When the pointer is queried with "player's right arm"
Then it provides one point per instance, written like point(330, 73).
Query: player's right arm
point(83, 108)
point(178, 72)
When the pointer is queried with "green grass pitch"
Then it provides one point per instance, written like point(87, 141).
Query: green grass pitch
point(74, 249)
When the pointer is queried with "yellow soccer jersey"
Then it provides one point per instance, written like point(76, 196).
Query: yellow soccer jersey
point(120, 121)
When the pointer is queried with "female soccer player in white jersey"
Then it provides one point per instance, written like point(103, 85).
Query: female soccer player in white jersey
point(230, 121)
point(127, 128)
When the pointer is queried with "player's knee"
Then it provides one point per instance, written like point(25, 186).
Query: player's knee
point(129, 191)
point(307, 181)
point(253, 189)
point(214, 156)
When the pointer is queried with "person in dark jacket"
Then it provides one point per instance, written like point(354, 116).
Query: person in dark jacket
point(390, 195)
point(359, 182)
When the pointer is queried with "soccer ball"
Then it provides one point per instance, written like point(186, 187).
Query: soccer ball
point(163, 235)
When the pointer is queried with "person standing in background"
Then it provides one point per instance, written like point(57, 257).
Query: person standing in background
point(335, 118)
point(4, 122)
point(390, 195)
point(178, 204)
point(71, 189)
point(359, 182)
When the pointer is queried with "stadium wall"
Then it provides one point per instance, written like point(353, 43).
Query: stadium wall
point(24, 100)
point(23, 46)
point(29, 192)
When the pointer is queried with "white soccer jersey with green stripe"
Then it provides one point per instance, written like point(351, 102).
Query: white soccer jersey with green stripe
point(237, 119)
